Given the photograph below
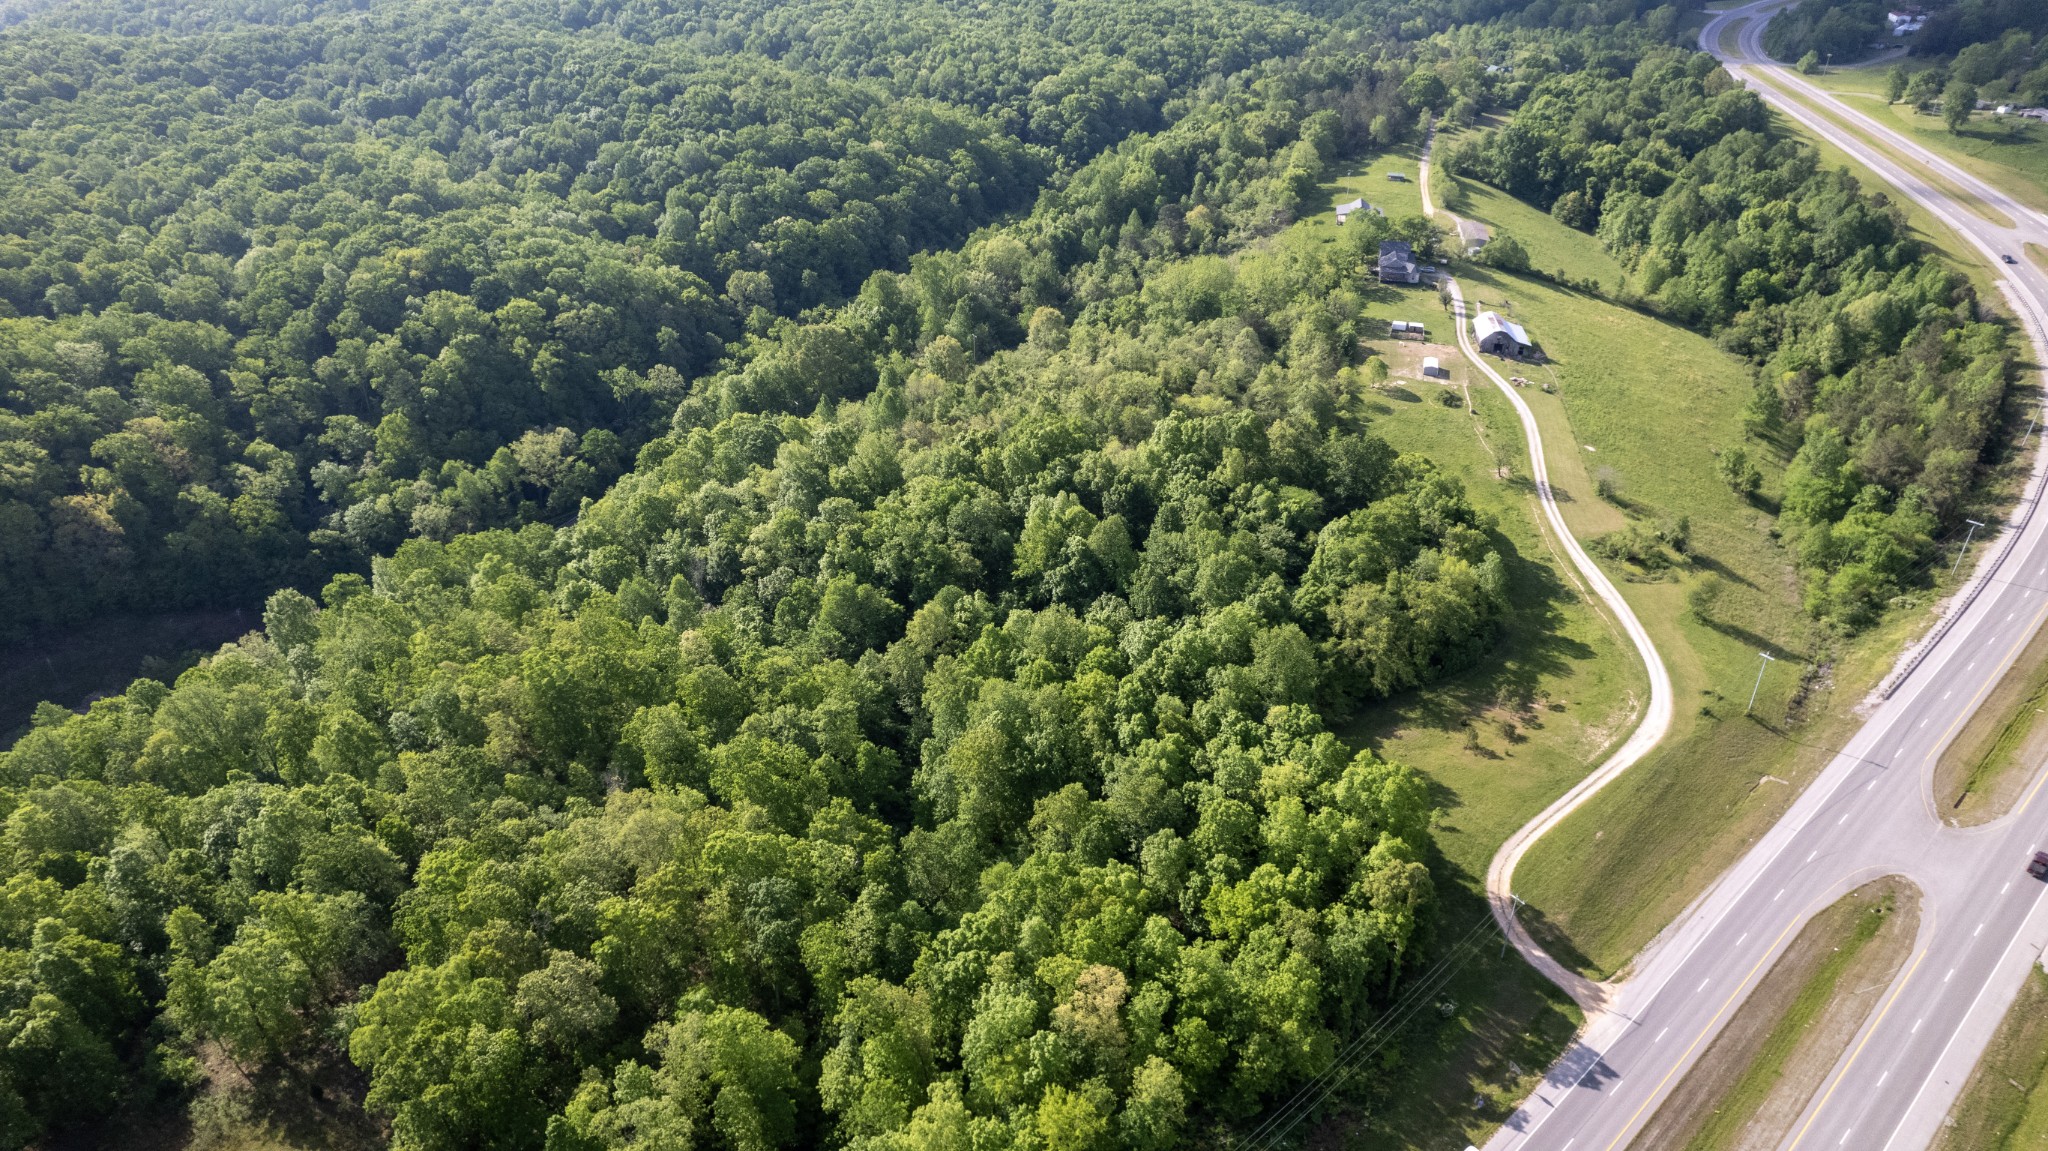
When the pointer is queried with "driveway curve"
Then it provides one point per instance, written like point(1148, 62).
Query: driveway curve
point(1591, 996)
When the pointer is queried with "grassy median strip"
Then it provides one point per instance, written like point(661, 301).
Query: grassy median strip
point(1984, 769)
point(1756, 1077)
point(2004, 1107)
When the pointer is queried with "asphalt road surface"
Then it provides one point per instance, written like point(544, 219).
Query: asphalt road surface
point(1870, 813)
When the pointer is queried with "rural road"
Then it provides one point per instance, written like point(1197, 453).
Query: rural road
point(1868, 814)
point(1656, 721)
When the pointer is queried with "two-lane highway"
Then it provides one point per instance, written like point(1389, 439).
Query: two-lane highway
point(1870, 812)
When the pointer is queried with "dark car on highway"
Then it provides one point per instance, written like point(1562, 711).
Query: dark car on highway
point(2039, 868)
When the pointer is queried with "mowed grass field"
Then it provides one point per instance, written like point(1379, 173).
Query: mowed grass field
point(1497, 743)
point(1646, 405)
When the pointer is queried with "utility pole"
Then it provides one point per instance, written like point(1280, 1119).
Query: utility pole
point(1965, 550)
point(1768, 660)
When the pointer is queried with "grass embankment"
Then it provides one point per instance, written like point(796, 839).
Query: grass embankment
point(2004, 1106)
point(1645, 405)
point(1754, 1080)
point(1987, 765)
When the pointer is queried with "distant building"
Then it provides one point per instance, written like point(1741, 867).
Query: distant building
point(1473, 234)
point(1397, 263)
point(1410, 330)
point(1397, 177)
point(1500, 337)
point(1346, 210)
point(1905, 21)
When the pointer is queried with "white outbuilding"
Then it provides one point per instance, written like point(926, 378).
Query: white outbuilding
point(1500, 337)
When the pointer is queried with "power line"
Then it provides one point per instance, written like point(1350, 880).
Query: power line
point(1372, 1040)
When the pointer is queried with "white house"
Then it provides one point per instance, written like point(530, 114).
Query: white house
point(1905, 21)
point(1500, 337)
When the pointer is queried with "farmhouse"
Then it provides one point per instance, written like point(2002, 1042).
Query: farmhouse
point(1397, 263)
point(1500, 337)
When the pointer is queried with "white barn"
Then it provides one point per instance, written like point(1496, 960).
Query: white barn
point(1500, 337)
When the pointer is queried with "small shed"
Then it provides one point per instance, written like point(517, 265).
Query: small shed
point(1500, 337)
point(1397, 177)
point(1473, 234)
point(1410, 329)
point(1432, 367)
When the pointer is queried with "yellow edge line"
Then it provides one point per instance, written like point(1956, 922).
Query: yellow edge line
point(1874, 1025)
point(1713, 1025)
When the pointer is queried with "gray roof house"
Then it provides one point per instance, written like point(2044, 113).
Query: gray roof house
point(1473, 234)
point(1346, 209)
point(1500, 337)
point(1397, 263)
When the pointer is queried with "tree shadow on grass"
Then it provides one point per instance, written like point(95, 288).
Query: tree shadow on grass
point(1532, 646)
point(1762, 643)
point(1708, 563)
point(1556, 941)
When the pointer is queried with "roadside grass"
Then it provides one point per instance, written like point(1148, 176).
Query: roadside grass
point(1732, 34)
point(1984, 769)
point(1750, 1086)
point(1949, 187)
point(2010, 152)
point(2004, 1106)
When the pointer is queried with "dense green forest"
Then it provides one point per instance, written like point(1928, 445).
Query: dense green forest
point(280, 291)
point(1873, 366)
point(921, 743)
point(1833, 31)
point(842, 531)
